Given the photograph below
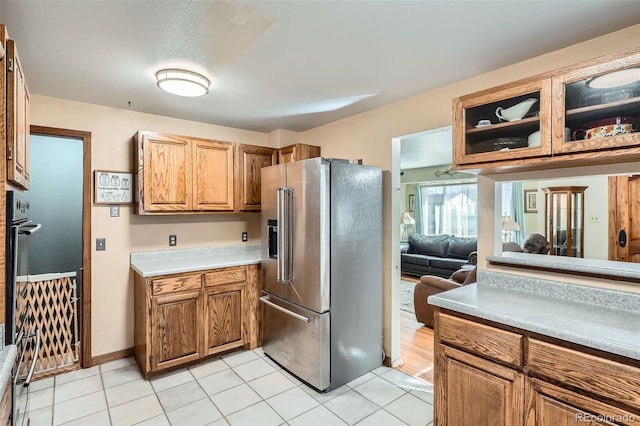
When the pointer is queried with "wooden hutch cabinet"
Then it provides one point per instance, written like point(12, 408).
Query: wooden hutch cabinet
point(564, 220)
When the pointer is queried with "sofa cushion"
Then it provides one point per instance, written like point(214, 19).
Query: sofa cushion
point(461, 247)
point(448, 263)
point(434, 245)
point(417, 259)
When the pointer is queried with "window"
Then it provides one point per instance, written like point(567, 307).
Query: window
point(447, 209)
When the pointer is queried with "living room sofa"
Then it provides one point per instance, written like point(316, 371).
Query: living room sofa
point(439, 255)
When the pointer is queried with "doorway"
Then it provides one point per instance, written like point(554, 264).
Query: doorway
point(60, 193)
point(414, 156)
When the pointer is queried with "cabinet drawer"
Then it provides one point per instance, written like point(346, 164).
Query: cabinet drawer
point(175, 284)
point(480, 339)
point(226, 276)
point(600, 376)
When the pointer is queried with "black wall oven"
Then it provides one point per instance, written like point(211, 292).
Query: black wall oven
point(19, 329)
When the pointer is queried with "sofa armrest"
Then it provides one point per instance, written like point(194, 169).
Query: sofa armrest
point(441, 284)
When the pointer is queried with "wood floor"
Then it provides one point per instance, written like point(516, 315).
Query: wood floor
point(416, 346)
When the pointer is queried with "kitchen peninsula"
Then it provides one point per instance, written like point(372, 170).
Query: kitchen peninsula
point(192, 303)
point(536, 351)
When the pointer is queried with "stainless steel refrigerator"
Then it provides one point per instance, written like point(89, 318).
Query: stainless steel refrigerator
point(322, 269)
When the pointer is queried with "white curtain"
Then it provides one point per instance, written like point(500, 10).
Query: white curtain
point(447, 209)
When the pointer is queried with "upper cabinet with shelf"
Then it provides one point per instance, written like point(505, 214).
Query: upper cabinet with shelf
point(560, 126)
point(483, 133)
point(579, 104)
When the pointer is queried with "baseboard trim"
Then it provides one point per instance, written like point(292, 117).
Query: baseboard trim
point(112, 356)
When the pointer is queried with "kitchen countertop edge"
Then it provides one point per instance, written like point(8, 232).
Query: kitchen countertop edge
point(166, 262)
point(7, 359)
point(593, 317)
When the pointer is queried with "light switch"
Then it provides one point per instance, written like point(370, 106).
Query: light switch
point(115, 210)
point(101, 244)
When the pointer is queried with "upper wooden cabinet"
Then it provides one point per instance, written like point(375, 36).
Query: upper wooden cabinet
point(179, 174)
point(17, 115)
point(250, 160)
point(297, 152)
point(554, 131)
point(479, 142)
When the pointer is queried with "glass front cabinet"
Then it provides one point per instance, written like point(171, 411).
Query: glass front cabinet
point(596, 107)
point(564, 220)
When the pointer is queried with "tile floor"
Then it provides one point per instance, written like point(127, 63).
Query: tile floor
point(241, 388)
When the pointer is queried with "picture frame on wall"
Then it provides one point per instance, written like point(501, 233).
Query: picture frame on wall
point(410, 200)
point(531, 201)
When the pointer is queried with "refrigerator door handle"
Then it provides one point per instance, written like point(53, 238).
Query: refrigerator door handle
point(285, 261)
point(266, 301)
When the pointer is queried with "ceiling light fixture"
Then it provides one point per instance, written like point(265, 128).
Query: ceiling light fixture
point(182, 82)
point(614, 79)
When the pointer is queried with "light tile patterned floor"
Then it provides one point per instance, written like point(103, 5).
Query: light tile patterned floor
point(242, 388)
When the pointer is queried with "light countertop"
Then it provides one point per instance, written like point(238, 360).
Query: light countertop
point(7, 359)
point(598, 318)
point(154, 263)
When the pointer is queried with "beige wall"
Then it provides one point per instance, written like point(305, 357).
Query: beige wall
point(368, 136)
point(112, 281)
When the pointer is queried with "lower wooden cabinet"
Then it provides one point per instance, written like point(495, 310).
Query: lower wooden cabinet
point(472, 385)
point(551, 405)
point(181, 318)
point(489, 374)
point(176, 329)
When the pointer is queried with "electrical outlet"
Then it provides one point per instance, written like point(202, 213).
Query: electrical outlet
point(173, 240)
point(594, 218)
point(245, 236)
point(114, 210)
point(101, 244)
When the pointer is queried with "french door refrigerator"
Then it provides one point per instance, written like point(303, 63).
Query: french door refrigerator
point(322, 269)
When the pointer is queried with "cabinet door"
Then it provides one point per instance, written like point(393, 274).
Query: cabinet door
point(596, 118)
point(287, 154)
point(249, 162)
point(297, 152)
point(212, 175)
point(176, 330)
point(17, 120)
point(549, 405)
point(474, 391)
point(480, 136)
point(166, 172)
point(224, 312)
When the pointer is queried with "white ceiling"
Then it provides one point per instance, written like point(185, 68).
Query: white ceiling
point(286, 64)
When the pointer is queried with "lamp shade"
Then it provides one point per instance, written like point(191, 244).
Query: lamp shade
point(182, 82)
point(508, 224)
point(406, 219)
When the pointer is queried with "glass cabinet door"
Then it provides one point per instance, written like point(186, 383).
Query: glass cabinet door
point(564, 220)
point(508, 122)
point(596, 107)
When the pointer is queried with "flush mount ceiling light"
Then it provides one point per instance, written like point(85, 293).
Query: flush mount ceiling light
point(614, 79)
point(182, 82)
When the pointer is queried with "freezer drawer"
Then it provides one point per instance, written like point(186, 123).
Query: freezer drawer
point(297, 339)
